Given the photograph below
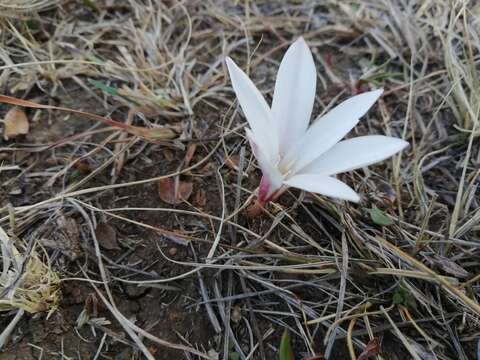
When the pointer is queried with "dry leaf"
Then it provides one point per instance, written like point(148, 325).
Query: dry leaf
point(201, 198)
point(106, 236)
point(372, 349)
point(92, 305)
point(387, 192)
point(173, 193)
point(190, 152)
point(232, 161)
point(254, 210)
point(451, 267)
point(83, 166)
point(152, 349)
point(15, 124)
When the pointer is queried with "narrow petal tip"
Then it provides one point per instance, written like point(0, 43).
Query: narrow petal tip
point(371, 96)
point(300, 41)
point(301, 46)
point(233, 69)
point(355, 198)
point(390, 145)
point(403, 144)
point(230, 63)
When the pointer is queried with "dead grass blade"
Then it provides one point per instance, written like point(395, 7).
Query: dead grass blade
point(456, 292)
point(156, 134)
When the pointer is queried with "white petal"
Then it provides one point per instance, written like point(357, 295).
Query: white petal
point(256, 110)
point(329, 129)
point(325, 185)
point(294, 94)
point(270, 172)
point(355, 153)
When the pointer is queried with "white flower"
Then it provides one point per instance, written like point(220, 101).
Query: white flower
point(289, 152)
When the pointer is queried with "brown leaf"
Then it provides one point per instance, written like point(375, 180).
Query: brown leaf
point(190, 152)
point(232, 161)
point(201, 198)
point(387, 192)
point(92, 305)
point(106, 236)
point(15, 124)
point(451, 267)
point(83, 166)
point(372, 349)
point(169, 154)
point(173, 192)
point(254, 210)
point(152, 349)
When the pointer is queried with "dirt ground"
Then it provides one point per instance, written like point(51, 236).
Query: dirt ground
point(128, 220)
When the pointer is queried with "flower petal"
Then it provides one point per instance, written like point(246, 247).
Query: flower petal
point(329, 129)
point(255, 108)
point(323, 184)
point(355, 153)
point(294, 94)
point(272, 180)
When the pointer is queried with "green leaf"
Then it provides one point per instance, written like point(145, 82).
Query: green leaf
point(386, 75)
point(403, 297)
point(31, 25)
point(105, 88)
point(286, 352)
point(379, 217)
point(91, 5)
point(94, 59)
point(398, 297)
point(163, 102)
point(233, 356)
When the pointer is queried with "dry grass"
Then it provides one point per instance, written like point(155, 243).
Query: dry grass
point(26, 283)
point(18, 8)
point(327, 271)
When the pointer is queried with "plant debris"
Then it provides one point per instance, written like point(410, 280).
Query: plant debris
point(106, 236)
point(65, 238)
point(15, 124)
point(134, 184)
point(174, 192)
